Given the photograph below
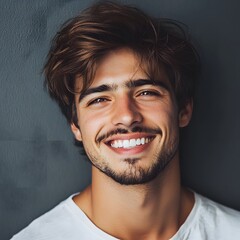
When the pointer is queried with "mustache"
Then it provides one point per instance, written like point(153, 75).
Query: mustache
point(135, 129)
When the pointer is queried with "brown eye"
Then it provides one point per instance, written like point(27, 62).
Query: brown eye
point(149, 93)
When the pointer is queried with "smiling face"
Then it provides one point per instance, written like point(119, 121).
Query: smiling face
point(129, 124)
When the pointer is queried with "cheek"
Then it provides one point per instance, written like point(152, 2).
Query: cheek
point(91, 123)
point(163, 115)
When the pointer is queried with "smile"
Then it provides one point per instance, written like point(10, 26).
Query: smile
point(130, 143)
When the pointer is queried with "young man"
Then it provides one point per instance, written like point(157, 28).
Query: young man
point(125, 83)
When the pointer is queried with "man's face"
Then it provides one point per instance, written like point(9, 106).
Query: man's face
point(129, 125)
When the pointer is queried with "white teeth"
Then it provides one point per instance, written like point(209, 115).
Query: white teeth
point(120, 144)
point(126, 144)
point(129, 143)
point(132, 142)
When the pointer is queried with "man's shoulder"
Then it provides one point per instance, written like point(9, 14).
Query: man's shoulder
point(65, 221)
point(217, 212)
point(216, 218)
point(210, 220)
point(49, 225)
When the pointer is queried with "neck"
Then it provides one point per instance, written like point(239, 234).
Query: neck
point(154, 210)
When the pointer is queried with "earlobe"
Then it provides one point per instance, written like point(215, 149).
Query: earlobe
point(185, 114)
point(76, 131)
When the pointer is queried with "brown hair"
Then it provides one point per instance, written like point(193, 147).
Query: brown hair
point(106, 26)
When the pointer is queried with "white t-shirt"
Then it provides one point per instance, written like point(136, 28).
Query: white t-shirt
point(207, 221)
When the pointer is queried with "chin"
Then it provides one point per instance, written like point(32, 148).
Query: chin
point(135, 174)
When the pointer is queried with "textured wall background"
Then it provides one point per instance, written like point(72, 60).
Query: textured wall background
point(40, 166)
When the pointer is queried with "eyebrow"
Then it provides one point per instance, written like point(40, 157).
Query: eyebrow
point(142, 82)
point(130, 85)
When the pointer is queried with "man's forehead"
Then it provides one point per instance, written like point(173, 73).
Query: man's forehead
point(122, 68)
point(127, 83)
point(134, 81)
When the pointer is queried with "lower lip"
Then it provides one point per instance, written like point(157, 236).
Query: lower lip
point(130, 151)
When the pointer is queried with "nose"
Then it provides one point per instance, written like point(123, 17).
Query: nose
point(125, 112)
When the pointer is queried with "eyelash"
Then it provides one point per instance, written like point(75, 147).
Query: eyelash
point(97, 101)
point(149, 92)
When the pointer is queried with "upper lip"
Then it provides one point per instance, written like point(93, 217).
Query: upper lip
point(128, 136)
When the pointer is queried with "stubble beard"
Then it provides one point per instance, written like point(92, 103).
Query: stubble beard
point(134, 173)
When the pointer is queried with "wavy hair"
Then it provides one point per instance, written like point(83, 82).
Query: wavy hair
point(107, 26)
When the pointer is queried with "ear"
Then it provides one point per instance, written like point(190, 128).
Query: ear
point(76, 131)
point(185, 114)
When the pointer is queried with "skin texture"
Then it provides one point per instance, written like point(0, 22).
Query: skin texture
point(136, 182)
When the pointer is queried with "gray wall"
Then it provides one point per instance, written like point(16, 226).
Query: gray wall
point(40, 166)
